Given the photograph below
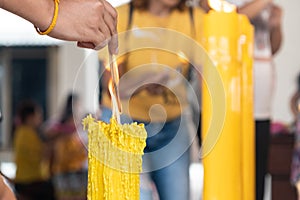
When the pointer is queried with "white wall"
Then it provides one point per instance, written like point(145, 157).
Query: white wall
point(287, 61)
point(73, 70)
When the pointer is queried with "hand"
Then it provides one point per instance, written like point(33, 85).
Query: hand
point(151, 82)
point(160, 90)
point(92, 23)
point(154, 89)
point(5, 191)
point(275, 17)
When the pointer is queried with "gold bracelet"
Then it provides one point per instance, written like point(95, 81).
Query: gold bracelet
point(53, 23)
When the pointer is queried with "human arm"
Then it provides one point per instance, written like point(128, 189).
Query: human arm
point(5, 191)
point(89, 22)
point(294, 104)
point(253, 8)
point(153, 83)
point(204, 5)
point(275, 28)
point(250, 9)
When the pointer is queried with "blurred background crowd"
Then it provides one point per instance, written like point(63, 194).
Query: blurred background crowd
point(47, 86)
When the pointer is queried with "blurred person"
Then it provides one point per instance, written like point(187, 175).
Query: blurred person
point(266, 18)
point(295, 108)
point(295, 100)
point(68, 155)
point(164, 113)
point(91, 23)
point(32, 174)
point(5, 192)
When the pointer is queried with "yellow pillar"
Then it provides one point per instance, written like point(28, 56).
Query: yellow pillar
point(248, 136)
point(222, 166)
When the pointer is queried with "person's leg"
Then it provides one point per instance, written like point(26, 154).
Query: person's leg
point(146, 187)
point(35, 191)
point(172, 182)
point(44, 190)
point(23, 191)
point(170, 163)
point(106, 114)
point(262, 132)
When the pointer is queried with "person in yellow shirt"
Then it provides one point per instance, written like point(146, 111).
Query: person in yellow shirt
point(153, 88)
point(32, 175)
point(69, 154)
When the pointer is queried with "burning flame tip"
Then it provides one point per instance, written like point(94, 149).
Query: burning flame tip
point(221, 6)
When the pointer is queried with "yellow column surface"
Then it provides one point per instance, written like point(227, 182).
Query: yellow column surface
point(222, 166)
point(248, 136)
point(229, 166)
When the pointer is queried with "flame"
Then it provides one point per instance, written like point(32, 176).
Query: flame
point(117, 62)
point(182, 57)
point(113, 87)
point(114, 69)
point(110, 86)
point(116, 104)
point(106, 65)
point(221, 6)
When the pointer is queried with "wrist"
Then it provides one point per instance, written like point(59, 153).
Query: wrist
point(45, 19)
point(49, 28)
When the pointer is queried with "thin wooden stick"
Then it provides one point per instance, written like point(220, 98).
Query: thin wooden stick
point(115, 97)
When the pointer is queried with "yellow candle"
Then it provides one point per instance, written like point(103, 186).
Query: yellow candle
point(115, 159)
point(248, 136)
point(229, 167)
point(222, 166)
